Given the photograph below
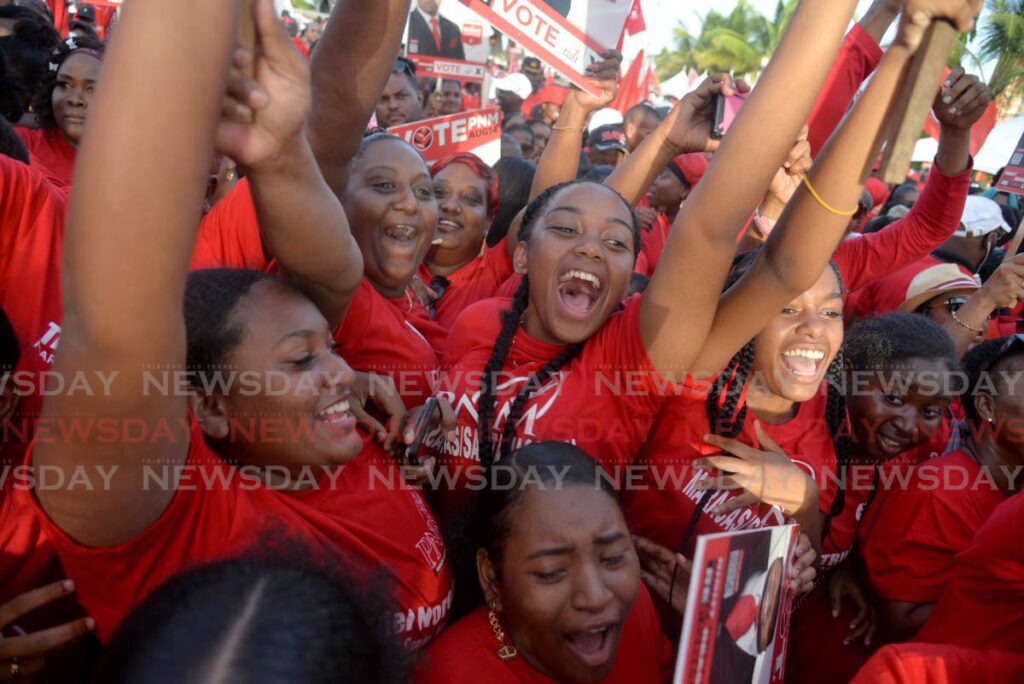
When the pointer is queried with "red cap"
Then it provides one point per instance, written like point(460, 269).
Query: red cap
point(878, 190)
point(689, 168)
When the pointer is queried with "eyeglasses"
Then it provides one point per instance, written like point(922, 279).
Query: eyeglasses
point(953, 305)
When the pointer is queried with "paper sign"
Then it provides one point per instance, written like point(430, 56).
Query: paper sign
point(567, 35)
point(453, 69)
point(737, 610)
point(478, 132)
point(455, 21)
point(1012, 179)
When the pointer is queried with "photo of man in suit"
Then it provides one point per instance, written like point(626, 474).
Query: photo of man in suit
point(433, 35)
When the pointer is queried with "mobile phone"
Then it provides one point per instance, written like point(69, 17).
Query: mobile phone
point(716, 121)
point(422, 427)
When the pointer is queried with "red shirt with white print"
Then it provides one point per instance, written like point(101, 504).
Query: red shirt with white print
point(218, 512)
point(51, 153)
point(667, 496)
point(603, 401)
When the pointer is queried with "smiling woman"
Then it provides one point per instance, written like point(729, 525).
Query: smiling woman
point(63, 106)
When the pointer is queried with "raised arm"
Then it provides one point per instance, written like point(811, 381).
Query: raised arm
point(680, 302)
point(350, 66)
point(808, 233)
point(132, 220)
point(301, 221)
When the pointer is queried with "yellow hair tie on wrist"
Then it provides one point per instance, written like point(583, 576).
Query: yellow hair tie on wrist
point(569, 129)
point(825, 205)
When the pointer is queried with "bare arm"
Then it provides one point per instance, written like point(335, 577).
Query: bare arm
point(301, 220)
point(132, 221)
point(800, 247)
point(350, 66)
point(905, 619)
point(680, 303)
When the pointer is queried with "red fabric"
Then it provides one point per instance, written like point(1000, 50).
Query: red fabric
point(652, 243)
point(816, 641)
point(27, 559)
point(60, 15)
point(629, 87)
point(742, 616)
point(979, 131)
point(887, 294)
point(393, 337)
point(917, 663)
point(909, 536)
point(32, 213)
point(931, 221)
point(982, 605)
point(301, 45)
point(49, 150)
point(364, 526)
point(878, 190)
point(435, 28)
point(467, 653)
point(479, 279)
point(666, 498)
point(858, 57)
point(604, 400)
point(547, 94)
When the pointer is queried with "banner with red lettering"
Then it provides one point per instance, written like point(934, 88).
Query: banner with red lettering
point(567, 35)
point(1012, 179)
point(453, 69)
point(478, 132)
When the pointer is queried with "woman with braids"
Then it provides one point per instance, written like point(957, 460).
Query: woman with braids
point(63, 106)
point(899, 370)
point(913, 529)
point(565, 360)
point(224, 464)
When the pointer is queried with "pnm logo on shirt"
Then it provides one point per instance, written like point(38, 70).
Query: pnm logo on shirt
point(47, 344)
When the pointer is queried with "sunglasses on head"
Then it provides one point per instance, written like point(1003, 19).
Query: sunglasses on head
point(440, 285)
point(1010, 344)
point(404, 64)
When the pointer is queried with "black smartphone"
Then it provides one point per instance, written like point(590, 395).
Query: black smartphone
point(422, 427)
point(716, 121)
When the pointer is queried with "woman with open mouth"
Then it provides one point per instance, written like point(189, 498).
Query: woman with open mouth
point(63, 107)
point(244, 466)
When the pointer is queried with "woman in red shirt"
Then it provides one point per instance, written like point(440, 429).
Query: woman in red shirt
point(561, 579)
point(899, 367)
point(460, 268)
point(912, 531)
point(224, 466)
point(63, 107)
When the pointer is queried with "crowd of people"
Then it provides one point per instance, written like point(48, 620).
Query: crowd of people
point(282, 402)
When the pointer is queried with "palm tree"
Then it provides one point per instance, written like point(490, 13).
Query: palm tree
point(1002, 40)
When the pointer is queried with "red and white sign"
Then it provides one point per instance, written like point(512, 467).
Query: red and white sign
point(1012, 179)
point(442, 67)
point(555, 38)
point(478, 132)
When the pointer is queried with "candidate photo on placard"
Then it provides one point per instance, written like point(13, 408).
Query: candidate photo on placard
point(560, 6)
point(432, 34)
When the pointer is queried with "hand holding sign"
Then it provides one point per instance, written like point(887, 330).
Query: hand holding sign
point(691, 118)
point(604, 77)
point(961, 103)
point(918, 15)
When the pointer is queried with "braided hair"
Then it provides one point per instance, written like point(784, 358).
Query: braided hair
point(727, 410)
point(491, 452)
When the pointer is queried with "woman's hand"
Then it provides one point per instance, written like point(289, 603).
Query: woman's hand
point(25, 655)
point(381, 391)
point(419, 471)
point(665, 573)
point(690, 120)
point(605, 77)
point(844, 582)
point(263, 117)
point(766, 475)
point(962, 100)
point(802, 572)
point(918, 15)
point(788, 178)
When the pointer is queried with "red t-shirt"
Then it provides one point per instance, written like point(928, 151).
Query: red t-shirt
point(662, 506)
point(479, 279)
point(393, 337)
point(216, 513)
point(652, 243)
point(27, 559)
point(909, 536)
point(815, 643)
point(982, 605)
point(32, 213)
point(869, 260)
point(467, 653)
point(604, 400)
point(49, 150)
point(917, 663)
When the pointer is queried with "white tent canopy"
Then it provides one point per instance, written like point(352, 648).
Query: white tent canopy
point(925, 150)
point(679, 85)
point(1001, 143)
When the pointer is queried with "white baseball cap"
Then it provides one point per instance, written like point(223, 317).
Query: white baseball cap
point(514, 83)
point(981, 217)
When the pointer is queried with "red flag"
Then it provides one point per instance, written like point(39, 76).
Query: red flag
point(635, 20)
point(979, 131)
point(645, 87)
point(629, 87)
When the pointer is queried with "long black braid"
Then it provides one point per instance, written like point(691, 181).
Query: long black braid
point(726, 417)
point(511, 318)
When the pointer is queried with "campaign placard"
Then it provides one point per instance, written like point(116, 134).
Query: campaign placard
point(478, 131)
point(736, 622)
point(461, 34)
point(567, 35)
point(452, 69)
point(1012, 179)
